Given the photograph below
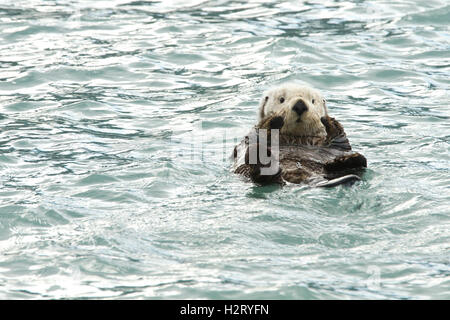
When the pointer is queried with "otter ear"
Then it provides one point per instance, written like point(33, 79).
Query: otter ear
point(262, 104)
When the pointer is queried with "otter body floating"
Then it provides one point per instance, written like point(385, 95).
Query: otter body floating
point(310, 147)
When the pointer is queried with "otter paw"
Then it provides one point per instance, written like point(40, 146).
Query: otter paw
point(346, 162)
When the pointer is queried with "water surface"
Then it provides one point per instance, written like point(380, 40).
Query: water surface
point(117, 119)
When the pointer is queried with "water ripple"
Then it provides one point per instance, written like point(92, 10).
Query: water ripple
point(118, 119)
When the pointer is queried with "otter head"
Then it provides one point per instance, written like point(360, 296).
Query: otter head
point(301, 107)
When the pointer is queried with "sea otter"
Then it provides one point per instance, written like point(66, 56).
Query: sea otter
point(296, 141)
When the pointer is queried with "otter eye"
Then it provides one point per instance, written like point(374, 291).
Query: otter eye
point(281, 100)
point(266, 98)
point(313, 101)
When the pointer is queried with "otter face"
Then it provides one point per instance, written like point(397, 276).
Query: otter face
point(301, 107)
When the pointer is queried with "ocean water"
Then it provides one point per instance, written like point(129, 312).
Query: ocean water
point(118, 117)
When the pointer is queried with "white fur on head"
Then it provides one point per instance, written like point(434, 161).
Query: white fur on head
point(283, 98)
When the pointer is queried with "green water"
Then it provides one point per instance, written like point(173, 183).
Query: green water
point(117, 119)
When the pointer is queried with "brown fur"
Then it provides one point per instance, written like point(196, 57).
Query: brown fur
point(301, 162)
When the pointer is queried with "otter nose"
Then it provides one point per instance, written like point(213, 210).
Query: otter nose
point(300, 107)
